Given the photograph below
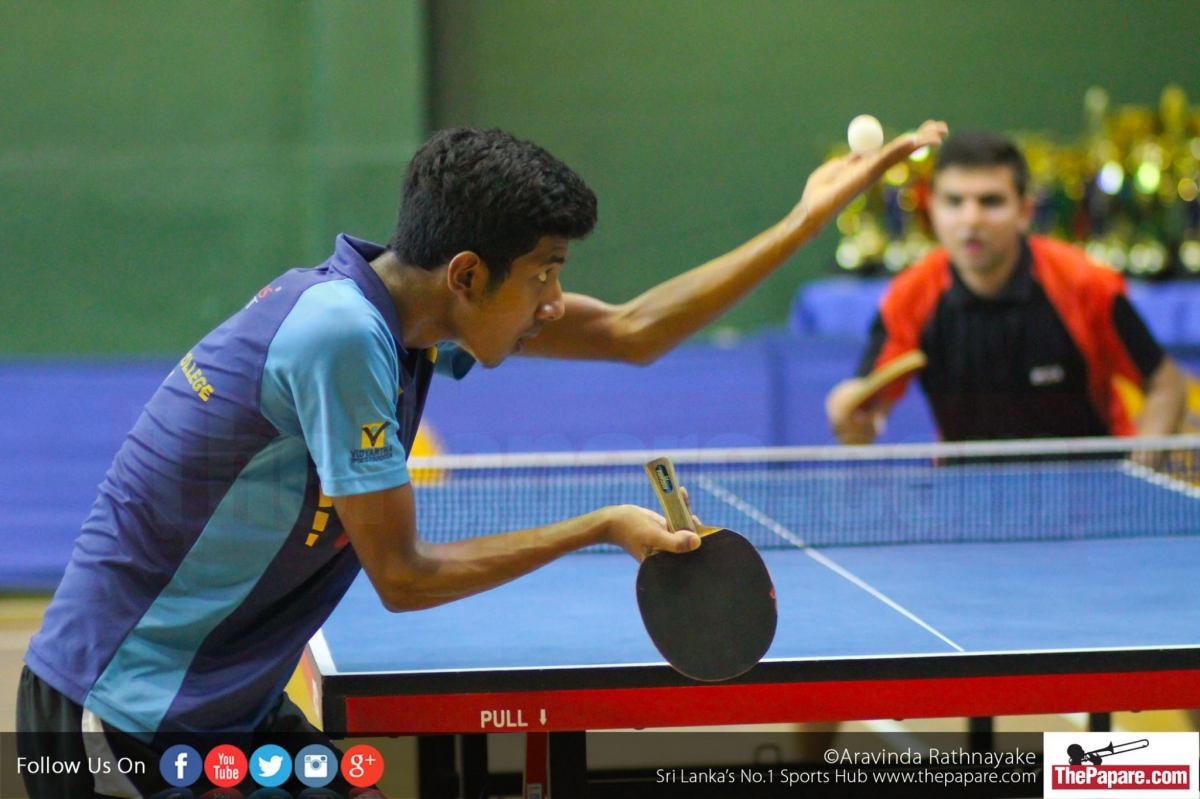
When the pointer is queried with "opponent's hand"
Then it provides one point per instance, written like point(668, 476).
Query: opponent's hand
point(640, 531)
point(853, 426)
point(838, 181)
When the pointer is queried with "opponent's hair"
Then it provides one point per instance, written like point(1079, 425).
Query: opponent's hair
point(983, 148)
point(488, 192)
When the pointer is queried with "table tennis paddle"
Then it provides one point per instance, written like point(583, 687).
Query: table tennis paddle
point(896, 369)
point(710, 612)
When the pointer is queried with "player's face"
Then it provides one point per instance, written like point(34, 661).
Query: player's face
point(979, 217)
point(515, 310)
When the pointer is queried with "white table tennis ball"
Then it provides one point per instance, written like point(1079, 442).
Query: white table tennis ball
point(865, 134)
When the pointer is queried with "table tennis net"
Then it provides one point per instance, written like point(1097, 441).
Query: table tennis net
point(842, 496)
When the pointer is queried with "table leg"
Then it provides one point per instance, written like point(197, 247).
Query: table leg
point(979, 734)
point(474, 765)
point(568, 765)
point(1099, 722)
point(437, 774)
point(534, 783)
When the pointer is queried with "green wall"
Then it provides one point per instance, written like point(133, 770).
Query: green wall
point(159, 162)
point(697, 122)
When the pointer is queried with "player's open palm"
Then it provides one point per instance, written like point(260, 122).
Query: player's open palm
point(839, 180)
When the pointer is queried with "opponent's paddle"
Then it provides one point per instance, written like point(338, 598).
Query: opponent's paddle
point(710, 612)
point(874, 383)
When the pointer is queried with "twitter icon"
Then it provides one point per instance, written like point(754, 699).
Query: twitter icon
point(270, 765)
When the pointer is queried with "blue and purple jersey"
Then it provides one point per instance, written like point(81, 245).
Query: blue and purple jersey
point(213, 552)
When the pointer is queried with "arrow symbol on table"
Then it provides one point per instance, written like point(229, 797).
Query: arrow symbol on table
point(543, 715)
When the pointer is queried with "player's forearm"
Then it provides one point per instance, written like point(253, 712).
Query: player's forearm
point(646, 327)
point(661, 318)
point(1165, 403)
point(668, 313)
point(433, 574)
point(653, 323)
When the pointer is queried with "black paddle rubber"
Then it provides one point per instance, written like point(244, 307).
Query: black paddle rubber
point(710, 612)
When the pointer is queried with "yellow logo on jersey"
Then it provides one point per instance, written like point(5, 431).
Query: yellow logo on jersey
point(196, 377)
point(373, 435)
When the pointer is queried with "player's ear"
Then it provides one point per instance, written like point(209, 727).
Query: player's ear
point(1026, 213)
point(467, 275)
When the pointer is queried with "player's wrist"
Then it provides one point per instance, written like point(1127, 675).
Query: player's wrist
point(799, 225)
point(624, 526)
point(605, 525)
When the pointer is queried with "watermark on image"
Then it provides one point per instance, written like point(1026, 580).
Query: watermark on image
point(1119, 764)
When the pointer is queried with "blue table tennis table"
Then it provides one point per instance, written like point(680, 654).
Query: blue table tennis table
point(1060, 623)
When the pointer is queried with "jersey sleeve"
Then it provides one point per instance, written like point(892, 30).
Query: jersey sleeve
point(870, 354)
point(1139, 342)
point(332, 377)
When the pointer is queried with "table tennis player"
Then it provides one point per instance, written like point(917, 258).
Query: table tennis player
point(1023, 336)
point(269, 467)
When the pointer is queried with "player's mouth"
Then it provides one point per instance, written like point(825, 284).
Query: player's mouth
point(524, 336)
point(972, 246)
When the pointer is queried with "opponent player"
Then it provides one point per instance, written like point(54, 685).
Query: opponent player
point(1023, 335)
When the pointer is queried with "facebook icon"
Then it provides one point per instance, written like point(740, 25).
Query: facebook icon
point(181, 765)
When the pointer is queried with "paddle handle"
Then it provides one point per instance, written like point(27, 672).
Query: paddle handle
point(666, 486)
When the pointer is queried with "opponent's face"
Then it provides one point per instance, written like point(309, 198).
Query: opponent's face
point(979, 217)
point(496, 321)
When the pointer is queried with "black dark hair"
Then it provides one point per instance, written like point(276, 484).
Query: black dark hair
point(983, 148)
point(486, 191)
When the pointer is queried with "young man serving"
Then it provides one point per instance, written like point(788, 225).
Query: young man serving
point(269, 467)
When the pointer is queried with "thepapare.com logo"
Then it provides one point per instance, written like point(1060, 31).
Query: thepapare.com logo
point(1121, 764)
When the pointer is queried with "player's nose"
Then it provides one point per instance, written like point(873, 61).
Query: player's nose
point(972, 212)
point(550, 311)
point(553, 307)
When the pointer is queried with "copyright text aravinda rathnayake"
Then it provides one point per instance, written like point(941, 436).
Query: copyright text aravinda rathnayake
point(845, 766)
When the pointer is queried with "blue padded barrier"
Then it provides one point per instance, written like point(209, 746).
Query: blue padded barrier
point(1180, 304)
point(696, 396)
point(60, 425)
point(837, 307)
point(1167, 310)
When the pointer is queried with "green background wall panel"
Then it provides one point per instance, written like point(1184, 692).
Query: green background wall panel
point(697, 122)
point(160, 161)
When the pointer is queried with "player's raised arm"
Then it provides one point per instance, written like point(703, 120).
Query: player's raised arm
point(651, 324)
